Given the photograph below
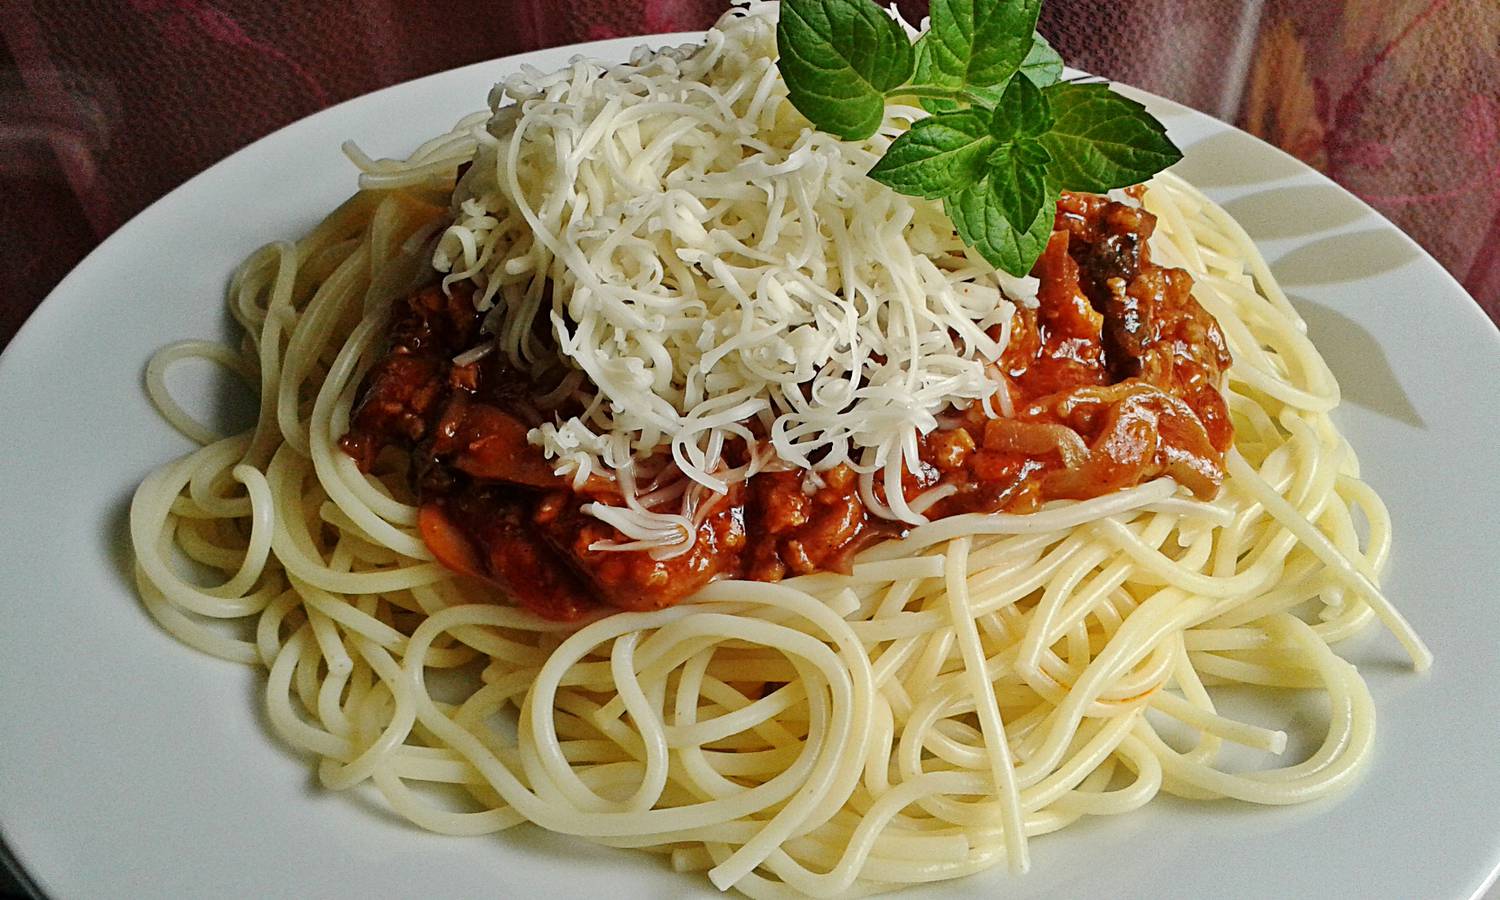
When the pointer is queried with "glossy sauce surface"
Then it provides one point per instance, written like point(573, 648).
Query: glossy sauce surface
point(1114, 379)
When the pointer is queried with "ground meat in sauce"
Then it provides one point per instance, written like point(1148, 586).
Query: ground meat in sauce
point(1114, 379)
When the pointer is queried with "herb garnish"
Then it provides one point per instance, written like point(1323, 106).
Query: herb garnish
point(1005, 135)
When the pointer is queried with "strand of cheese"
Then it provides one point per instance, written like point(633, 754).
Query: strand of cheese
point(707, 260)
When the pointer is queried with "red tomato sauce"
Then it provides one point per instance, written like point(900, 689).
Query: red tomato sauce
point(1114, 379)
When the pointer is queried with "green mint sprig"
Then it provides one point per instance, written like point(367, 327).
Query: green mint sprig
point(1004, 136)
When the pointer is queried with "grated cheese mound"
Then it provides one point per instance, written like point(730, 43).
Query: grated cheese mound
point(702, 258)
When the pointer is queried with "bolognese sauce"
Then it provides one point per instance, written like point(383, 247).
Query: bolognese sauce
point(1113, 379)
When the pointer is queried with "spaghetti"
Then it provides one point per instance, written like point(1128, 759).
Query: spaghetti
point(983, 680)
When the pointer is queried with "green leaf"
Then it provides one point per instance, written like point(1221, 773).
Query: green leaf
point(1042, 65)
point(937, 156)
point(981, 42)
point(1019, 187)
point(1032, 153)
point(982, 225)
point(838, 58)
point(1102, 140)
point(926, 73)
point(1023, 112)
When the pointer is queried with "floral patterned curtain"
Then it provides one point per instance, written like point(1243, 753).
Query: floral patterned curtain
point(1396, 100)
point(107, 104)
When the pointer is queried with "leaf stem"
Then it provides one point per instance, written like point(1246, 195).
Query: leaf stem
point(937, 92)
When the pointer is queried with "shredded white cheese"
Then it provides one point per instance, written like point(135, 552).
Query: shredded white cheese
point(706, 259)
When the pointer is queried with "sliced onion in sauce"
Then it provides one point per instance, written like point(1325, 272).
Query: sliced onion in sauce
point(1036, 439)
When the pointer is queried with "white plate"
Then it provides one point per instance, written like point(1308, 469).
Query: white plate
point(132, 766)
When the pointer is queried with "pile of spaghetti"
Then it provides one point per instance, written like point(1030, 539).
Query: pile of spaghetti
point(717, 302)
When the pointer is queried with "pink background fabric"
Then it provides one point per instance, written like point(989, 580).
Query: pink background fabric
point(105, 105)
